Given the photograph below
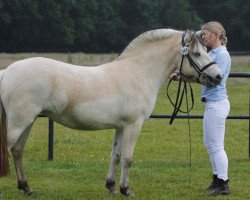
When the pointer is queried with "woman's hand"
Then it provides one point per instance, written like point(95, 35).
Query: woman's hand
point(175, 77)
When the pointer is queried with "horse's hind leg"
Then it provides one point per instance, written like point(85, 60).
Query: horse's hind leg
point(17, 152)
point(115, 159)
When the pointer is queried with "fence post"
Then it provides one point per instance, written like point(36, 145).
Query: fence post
point(249, 126)
point(51, 139)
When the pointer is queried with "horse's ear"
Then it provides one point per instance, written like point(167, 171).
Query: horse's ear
point(193, 35)
point(188, 37)
point(198, 33)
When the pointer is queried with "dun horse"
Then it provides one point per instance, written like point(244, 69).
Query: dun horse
point(120, 95)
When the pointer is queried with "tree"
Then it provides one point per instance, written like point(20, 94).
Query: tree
point(108, 25)
point(233, 14)
point(57, 26)
point(17, 21)
point(180, 15)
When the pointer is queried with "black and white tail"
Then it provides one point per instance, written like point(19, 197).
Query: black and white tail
point(4, 156)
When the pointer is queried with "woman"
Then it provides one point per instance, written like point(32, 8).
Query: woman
point(216, 107)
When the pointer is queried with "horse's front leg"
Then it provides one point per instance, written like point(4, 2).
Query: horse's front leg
point(115, 159)
point(130, 135)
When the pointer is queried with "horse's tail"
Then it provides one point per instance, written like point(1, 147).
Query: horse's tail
point(4, 156)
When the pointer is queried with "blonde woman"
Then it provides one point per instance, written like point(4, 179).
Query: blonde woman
point(216, 107)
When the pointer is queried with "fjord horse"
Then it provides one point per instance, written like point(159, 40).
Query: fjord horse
point(118, 95)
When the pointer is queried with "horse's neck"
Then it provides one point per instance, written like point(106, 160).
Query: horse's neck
point(160, 60)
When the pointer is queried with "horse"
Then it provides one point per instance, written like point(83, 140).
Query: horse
point(118, 95)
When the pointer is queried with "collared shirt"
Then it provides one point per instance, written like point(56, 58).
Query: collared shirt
point(222, 58)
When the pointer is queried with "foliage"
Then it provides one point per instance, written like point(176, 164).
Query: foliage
point(233, 14)
point(108, 25)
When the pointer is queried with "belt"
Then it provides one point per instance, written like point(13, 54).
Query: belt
point(203, 99)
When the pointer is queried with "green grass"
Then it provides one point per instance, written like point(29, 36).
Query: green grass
point(161, 168)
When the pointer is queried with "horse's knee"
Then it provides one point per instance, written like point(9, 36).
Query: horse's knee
point(127, 162)
point(16, 152)
point(116, 158)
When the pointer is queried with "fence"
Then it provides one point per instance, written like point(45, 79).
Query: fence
point(159, 116)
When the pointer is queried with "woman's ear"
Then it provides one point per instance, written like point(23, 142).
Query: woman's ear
point(216, 34)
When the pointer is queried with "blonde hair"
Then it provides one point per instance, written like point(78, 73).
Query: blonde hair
point(216, 27)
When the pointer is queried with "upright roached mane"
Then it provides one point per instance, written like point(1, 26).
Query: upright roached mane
point(119, 95)
point(149, 37)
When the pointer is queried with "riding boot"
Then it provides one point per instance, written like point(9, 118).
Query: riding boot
point(214, 183)
point(220, 188)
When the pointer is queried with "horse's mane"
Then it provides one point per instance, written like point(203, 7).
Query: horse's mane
point(148, 37)
point(192, 38)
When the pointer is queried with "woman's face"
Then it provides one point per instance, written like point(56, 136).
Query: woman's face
point(208, 37)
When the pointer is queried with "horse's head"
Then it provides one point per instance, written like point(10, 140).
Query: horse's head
point(198, 66)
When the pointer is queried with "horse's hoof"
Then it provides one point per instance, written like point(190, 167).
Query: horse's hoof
point(23, 185)
point(111, 187)
point(130, 194)
point(126, 192)
point(29, 192)
point(113, 191)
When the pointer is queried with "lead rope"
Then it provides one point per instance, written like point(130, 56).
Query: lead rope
point(189, 134)
point(179, 98)
point(177, 106)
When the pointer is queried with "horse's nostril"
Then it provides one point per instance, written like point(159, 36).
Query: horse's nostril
point(218, 77)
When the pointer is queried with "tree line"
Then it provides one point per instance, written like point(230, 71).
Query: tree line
point(109, 25)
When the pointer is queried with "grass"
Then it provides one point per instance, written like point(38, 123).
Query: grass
point(161, 168)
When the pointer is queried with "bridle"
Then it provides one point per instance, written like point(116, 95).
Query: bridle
point(185, 52)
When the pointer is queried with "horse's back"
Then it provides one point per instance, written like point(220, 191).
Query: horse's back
point(59, 90)
point(25, 74)
point(76, 96)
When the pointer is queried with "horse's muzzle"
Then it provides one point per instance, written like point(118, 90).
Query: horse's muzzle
point(218, 78)
point(210, 81)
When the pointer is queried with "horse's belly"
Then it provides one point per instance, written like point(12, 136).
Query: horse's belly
point(85, 116)
point(85, 124)
point(96, 116)
point(102, 114)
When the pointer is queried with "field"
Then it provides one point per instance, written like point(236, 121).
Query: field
point(168, 162)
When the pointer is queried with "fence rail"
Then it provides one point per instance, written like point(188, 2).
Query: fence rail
point(161, 116)
point(185, 116)
point(239, 74)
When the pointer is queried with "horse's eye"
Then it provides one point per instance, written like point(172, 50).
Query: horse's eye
point(196, 54)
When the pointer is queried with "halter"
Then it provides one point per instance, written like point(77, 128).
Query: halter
point(185, 52)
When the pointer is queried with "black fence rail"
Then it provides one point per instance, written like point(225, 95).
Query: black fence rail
point(239, 53)
point(164, 116)
point(239, 74)
point(197, 116)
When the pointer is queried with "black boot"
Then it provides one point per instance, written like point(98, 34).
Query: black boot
point(214, 183)
point(220, 188)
